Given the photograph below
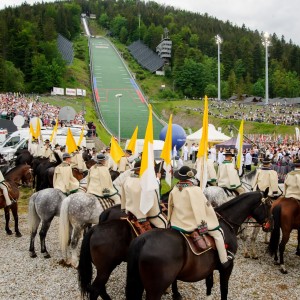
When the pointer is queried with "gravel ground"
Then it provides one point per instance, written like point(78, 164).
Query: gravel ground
point(22, 277)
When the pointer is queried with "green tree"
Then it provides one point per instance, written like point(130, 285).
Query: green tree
point(231, 83)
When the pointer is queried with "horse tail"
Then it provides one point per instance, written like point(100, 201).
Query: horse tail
point(85, 269)
point(64, 226)
point(134, 285)
point(275, 235)
point(33, 218)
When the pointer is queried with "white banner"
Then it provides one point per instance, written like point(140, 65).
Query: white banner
point(84, 93)
point(79, 92)
point(58, 91)
point(70, 92)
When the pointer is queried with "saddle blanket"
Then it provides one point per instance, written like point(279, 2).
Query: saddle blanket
point(106, 202)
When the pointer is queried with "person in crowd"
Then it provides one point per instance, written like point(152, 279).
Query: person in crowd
point(63, 178)
point(248, 161)
point(99, 182)
point(211, 171)
point(131, 195)
point(292, 182)
point(191, 213)
point(185, 151)
point(227, 175)
point(220, 156)
point(46, 151)
point(266, 178)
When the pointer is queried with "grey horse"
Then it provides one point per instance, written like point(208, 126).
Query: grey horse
point(78, 211)
point(43, 206)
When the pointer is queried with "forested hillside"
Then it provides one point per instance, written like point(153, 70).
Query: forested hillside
point(29, 60)
point(194, 63)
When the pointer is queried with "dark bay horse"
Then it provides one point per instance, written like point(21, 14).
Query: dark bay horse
point(13, 177)
point(286, 215)
point(158, 257)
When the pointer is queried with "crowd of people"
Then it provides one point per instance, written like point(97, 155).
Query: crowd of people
point(29, 107)
point(277, 113)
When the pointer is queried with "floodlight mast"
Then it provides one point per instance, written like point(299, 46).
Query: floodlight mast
point(266, 41)
point(119, 96)
point(219, 41)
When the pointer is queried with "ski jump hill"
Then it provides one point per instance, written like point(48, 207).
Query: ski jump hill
point(110, 77)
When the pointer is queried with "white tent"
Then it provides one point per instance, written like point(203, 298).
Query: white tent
point(214, 136)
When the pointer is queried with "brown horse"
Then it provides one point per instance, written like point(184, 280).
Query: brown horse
point(159, 257)
point(21, 174)
point(286, 214)
point(13, 177)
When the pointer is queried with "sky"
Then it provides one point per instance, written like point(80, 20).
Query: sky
point(272, 16)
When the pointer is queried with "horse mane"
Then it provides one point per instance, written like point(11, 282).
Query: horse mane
point(249, 176)
point(233, 201)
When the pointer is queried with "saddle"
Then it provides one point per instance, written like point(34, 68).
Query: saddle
point(199, 244)
point(137, 227)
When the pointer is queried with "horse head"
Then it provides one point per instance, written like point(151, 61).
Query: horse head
point(27, 177)
point(262, 213)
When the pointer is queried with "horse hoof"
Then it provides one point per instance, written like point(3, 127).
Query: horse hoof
point(255, 257)
point(177, 296)
point(246, 256)
point(276, 263)
point(32, 255)
point(18, 234)
point(9, 232)
point(283, 271)
point(47, 255)
point(298, 253)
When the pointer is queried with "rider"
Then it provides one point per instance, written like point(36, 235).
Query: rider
point(125, 161)
point(77, 161)
point(131, 195)
point(63, 178)
point(292, 182)
point(190, 212)
point(99, 181)
point(211, 172)
point(5, 191)
point(266, 178)
point(47, 152)
point(227, 175)
point(34, 148)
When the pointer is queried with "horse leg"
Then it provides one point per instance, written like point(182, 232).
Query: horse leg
point(298, 248)
point(176, 295)
point(267, 237)
point(98, 286)
point(43, 233)
point(253, 240)
point(77, 231)
point(32, 238)
point(284, 240)
point(7, 218)
point(14, 210)
point(209, 281)
point(244, 236)
point(224, 279)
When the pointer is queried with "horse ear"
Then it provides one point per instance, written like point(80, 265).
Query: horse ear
point(266, 192)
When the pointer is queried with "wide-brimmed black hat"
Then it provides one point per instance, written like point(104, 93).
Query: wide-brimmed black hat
point(228, 153)
point(137, 165)
point(128, 151)
point(266, 161)
point(185, 173)
point(101, 157)
point(296, 163)
point(47, 141)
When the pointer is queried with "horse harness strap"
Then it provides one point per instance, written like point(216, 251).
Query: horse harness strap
point(131, 223)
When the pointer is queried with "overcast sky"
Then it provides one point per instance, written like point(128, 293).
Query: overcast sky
point(281, 17)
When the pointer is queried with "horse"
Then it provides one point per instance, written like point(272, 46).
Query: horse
point(43, 206)
point(148, 269)
point(99, 243)
point(23, 157)
point(78, 211)
point(13, 178)
point(286, 214)
point(21, 173)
